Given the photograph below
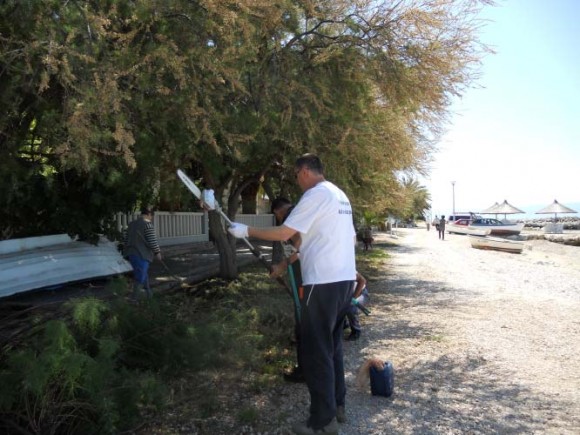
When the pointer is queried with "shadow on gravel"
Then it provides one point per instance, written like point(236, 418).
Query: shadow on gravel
point(457, 395)
point(409, 292)
point(392, 247)
point(446, 389)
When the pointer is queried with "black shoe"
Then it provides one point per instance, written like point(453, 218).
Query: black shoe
point(295, 375)
point(340, 414)
point(304, 429)
point(354, 335)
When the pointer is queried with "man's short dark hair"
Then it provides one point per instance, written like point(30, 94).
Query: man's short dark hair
point(147, 210)
point(310, 161)
point(279, 202)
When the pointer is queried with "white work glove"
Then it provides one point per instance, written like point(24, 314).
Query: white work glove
point(239, 231)
point(208, 199)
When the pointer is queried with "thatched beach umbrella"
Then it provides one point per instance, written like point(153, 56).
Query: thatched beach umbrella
point(556, 208)
point(490, 210)
point(506, 208)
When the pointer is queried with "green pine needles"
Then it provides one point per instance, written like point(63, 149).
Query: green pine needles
point(71, 377)
point(100, 364)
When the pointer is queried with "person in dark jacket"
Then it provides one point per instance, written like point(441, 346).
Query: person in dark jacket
point(442, 222)
point(140, 247)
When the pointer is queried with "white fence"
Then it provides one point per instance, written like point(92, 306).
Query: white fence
point(256, 220)
point(176, 228)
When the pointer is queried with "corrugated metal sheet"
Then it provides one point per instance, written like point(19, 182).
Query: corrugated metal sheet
point(18, 245)
point(38, 262)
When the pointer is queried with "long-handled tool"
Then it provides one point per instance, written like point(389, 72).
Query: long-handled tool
point(360, 307)
point(182, 281)
point(214, 205)
point(292, 280)
point(171, 274)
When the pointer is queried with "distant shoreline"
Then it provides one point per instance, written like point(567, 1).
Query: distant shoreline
point(570, 223)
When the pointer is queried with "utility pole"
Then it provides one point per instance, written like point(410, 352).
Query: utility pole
point(453, 187)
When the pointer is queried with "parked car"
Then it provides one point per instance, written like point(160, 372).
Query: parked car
point(455, 217)
point(463, 226)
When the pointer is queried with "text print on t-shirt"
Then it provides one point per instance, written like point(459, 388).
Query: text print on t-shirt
point(344, 211)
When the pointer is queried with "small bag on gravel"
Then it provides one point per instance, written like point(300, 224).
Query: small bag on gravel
point(382, 380)
point(381, 375)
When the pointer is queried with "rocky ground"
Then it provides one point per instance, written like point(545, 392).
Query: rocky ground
point(569, 223)
point(482, 342)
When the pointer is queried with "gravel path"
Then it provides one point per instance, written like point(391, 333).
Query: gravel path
point(481, 341)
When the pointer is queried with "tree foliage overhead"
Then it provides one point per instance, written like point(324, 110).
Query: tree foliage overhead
point(106, 99)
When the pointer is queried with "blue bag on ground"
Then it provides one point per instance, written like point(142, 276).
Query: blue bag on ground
point(382, 381)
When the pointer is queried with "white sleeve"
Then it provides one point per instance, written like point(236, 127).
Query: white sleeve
point(307, 210)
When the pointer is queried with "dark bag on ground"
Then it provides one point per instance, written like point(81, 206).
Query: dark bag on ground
point(382, 381)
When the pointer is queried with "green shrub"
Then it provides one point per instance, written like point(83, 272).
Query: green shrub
point(54, 386)
point(102, 363)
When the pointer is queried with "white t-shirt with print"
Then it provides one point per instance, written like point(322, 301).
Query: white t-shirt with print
point(323, 216)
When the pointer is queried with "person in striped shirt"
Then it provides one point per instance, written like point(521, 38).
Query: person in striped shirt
point(140, 247)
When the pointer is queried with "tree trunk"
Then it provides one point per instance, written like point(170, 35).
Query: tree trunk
point(249, 198)
point(226, 249)
point(277, 252)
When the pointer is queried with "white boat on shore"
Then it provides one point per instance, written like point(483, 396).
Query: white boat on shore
point(497, 227)
point(497, 244)
point(52, 261)
point(462, 226)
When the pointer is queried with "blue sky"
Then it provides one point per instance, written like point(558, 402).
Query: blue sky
point(516, 136)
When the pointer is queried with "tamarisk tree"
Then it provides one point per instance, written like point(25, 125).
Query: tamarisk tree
point(105, 100)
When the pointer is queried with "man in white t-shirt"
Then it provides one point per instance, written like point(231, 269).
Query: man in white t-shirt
point(323, 217)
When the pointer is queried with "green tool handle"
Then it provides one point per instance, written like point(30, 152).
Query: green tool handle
point(361, 307)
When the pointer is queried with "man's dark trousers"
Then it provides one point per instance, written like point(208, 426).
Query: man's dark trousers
point(297, 272)
point(323, 308)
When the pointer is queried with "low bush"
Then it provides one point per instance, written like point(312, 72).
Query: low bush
point(101, 364)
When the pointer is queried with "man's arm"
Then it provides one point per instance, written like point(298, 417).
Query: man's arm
point(361, 283)
point(279, 266)
point(275, 234)
point(151, 240)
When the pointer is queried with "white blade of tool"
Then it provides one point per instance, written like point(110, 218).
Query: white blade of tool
point(190, 184)
point(215, 206)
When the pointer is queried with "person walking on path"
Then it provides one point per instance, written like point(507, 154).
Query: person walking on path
point(323, 217)
point(281, 263)
point(436, 223)
point(140, 247)
point(442, 227)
